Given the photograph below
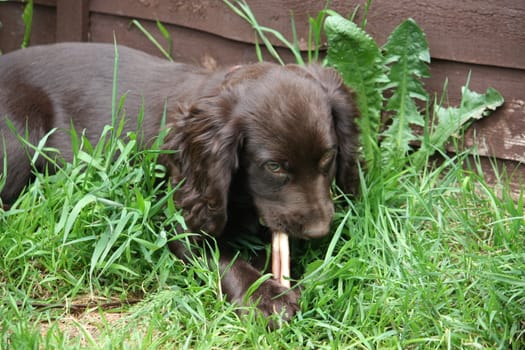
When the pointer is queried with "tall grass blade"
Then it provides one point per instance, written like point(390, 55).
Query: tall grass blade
point(27, 18)
point(152, 38)
point(114, 91)
point(242, 9)
point(74, 214)
point(167, 36)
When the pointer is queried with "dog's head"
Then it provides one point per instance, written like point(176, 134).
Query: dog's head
point(288, 131)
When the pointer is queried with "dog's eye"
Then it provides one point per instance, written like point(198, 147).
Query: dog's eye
point(327, 160)
point(274, 167)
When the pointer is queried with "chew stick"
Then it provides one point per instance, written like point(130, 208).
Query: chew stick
point(281, 258)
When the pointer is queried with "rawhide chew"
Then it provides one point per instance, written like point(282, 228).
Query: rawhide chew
point(281, 258)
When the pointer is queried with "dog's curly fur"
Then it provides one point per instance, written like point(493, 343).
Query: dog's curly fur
point(259, 143)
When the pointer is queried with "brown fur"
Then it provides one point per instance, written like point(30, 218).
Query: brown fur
point(259, 141)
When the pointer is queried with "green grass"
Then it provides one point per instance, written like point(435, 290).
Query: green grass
point(426, 260)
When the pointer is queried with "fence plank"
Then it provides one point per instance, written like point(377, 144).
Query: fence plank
point(188, 45)
point(72, 20)
point(488, 32)
point(43, 2)
point(12, 28)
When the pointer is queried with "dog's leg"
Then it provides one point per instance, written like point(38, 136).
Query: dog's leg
point(237, 276)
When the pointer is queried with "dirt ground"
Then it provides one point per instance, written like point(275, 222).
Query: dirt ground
point(87, 317)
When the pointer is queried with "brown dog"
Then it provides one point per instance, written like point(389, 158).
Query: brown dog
point(256, 144)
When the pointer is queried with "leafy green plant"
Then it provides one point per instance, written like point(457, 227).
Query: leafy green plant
point(397, 70)
point(349, 43)
point(406, 55)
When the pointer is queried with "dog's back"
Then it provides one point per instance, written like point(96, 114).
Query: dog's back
point(56, 86)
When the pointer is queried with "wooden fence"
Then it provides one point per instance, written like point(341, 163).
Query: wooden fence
point(485, 38)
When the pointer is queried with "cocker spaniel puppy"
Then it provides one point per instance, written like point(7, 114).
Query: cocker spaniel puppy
point(258, 146)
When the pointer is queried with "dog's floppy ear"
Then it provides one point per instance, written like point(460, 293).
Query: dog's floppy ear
point(344, 112)
point(205, 138)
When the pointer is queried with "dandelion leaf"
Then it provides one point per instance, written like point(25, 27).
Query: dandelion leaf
point(451, 120)
point(407, 56)
point(358, 58)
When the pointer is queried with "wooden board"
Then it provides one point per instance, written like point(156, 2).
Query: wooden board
point(51, 3)
point(489, 32)
point(72, 20)
point(12, 29)
point(188, 45)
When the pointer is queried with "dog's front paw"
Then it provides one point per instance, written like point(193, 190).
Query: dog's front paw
point(272, 298)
